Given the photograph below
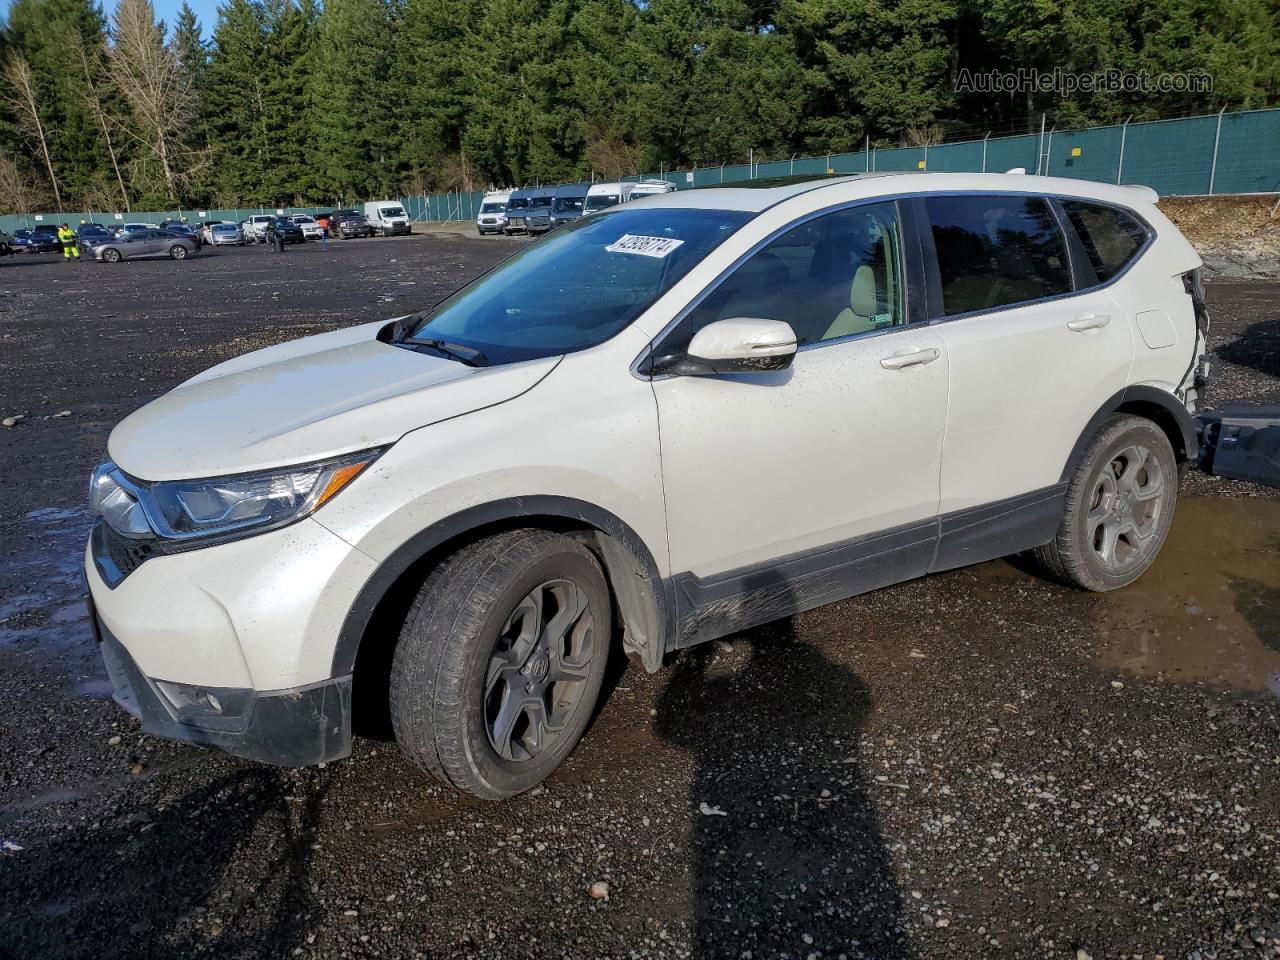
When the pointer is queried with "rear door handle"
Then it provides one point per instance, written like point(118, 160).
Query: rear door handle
point(910, 358)
point(1089, 321)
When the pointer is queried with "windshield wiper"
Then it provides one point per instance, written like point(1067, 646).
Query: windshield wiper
point(454, 351)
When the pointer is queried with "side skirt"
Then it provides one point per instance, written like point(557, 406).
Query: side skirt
point(743, 598)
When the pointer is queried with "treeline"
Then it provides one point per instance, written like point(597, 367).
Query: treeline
point(285, 101)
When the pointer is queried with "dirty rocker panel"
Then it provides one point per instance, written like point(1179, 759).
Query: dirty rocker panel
point(716, 606)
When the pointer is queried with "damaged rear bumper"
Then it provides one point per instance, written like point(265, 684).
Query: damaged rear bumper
point(289, 728)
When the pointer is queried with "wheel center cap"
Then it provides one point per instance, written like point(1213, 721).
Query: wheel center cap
point(538, 669)
point(1125, 504)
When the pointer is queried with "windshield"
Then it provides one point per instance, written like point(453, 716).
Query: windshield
point(303, 220)
point(492, 206)
point(538, 202)
point(601, 201)
point(567, 204)
point(578, 287)
point(392, 211)
point(518, 203)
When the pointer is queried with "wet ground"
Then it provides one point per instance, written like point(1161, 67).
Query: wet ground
point(973, 765)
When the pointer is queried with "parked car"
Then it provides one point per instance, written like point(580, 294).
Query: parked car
point(346, 224)
point(32, 241)
point(145, 243)
point(649, 188)
point(387, 218)
point(568, 203)
point(285, 229)
point(134, 227)
point(602, 196)
point(538, 217)
point(517, 211)
point(225, 234)
point(255, 228)
point(182, 230)
point(311, 228)
point(91, 233)
point(7, 247)
point(206, 229)
point(492, 215)
point(666, 423)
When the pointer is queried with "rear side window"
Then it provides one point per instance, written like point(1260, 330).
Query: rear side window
point(996, 251)
point(1111, 237)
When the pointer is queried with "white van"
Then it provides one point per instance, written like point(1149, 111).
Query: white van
point(602, 196)
point(492, 217)
point(648, 188)
point(387, 217)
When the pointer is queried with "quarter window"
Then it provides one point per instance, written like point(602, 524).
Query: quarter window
point(1111, 237)
point(834, 276)
point(996, 251)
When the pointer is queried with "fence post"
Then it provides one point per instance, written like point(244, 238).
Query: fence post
point(984, 151)
point(1217, 135)
point(1124, 133)
point(1040, 146)
point(926, 157)
point(722, 173)
point(1048, 150)
point(867, 152)
point(793, 165)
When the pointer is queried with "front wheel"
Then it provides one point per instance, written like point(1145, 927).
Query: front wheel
point(501, 660)
point(111, 255)
point(1119, 506)
point(178, 252)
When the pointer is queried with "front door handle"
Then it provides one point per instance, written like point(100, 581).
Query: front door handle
point(910, 358)
point(1089, 321)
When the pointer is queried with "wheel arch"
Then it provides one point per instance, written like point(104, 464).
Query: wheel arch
point(1159, 406)
point(638, 589)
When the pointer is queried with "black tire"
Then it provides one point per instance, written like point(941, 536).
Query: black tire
point(1127, 481)
point(112, 255)
point(178, 252)
point(462, 665)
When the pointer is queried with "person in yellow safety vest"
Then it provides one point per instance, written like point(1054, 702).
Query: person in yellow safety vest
point(70, 243)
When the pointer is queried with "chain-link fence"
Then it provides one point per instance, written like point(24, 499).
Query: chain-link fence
point(1223, 153)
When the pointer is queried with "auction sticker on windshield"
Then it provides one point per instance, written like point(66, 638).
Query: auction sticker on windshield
point(644, 246)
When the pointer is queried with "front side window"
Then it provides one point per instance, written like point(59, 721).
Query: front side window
point(1110, 236)
point(996, 251)
point(578, 287)
point(831, 277)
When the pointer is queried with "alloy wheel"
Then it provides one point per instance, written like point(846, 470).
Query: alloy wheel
point(538, 670)
point(1125, 509)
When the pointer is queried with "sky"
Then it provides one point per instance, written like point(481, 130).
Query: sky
point(166, 10)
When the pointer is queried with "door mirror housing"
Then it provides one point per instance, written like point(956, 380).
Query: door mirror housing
point(739, 345)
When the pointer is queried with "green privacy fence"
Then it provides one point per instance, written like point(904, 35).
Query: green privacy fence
point(1216, 154)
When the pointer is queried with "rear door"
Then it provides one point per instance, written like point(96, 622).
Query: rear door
point(1032, 357)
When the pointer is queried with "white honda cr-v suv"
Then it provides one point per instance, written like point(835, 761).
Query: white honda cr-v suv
point(662, 424)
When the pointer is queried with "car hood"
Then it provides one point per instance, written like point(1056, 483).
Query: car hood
point(306, 400)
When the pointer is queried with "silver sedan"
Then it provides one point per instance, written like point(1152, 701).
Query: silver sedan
point(145, 243)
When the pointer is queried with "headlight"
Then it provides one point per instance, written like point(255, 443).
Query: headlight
point(220, 507)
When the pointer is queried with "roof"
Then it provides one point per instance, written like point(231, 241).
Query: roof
point(764, 194)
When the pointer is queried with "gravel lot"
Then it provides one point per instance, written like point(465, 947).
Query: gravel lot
point(972, 765)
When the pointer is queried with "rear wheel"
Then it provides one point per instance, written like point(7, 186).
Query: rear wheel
point(178, 252)
point(1120, 504)
point(501, 660)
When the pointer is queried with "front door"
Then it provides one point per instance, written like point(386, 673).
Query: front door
point(790, 489)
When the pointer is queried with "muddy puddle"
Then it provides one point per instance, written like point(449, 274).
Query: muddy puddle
point(1208, 609)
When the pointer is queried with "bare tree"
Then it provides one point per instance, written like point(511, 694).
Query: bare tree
point(158, 92)
point(20, 94)
point(91, 69)
point(20, 192)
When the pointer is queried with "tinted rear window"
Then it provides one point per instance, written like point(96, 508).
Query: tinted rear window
point(996, 251)
point(1111, 237)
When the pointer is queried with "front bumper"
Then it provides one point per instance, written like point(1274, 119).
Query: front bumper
point(290, 728)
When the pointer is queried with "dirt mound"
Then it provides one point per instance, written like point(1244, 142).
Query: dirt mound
point(1238, 237)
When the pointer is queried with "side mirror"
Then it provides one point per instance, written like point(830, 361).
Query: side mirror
point(740, 345)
